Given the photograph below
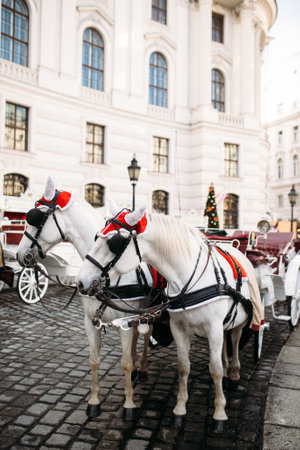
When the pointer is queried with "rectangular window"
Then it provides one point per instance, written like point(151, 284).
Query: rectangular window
point(280, 201)
point(231, 160)
point(94, 143)
point(16, 127)
point(280, 136)
point(160, 154)
point(217, 28)
point(159, 11)
point(295, 133)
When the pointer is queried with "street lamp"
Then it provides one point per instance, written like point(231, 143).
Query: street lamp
point(292, 199)
point(133, 172)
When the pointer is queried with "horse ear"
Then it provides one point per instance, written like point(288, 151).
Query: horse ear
point(134, 217)
point(49, 190)
point(113, 207)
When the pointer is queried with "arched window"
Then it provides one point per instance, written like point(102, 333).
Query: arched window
point(92, 59)
point(14, 31)
point(158, 80)
point(231, 211)
point(295, 165)
point(160, 201)
point(14, 184)
point(94, 194)
point(280, 169)
point(218, 90)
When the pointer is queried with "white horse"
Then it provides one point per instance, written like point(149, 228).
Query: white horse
point(194, 271)
point(76, 221)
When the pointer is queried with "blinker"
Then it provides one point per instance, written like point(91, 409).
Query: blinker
point(35, 217)
point(117, 243)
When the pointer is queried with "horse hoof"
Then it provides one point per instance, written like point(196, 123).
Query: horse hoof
point(129, 413)
point(134, 375)
point(178, 421)
point(93, 411)
point(219, 426)
point(143, 376)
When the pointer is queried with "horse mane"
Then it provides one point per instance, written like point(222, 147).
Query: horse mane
point(172, 236)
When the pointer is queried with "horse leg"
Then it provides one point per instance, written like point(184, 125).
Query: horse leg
point(143, 375)
point(215, 340)
point(127, 366)
point(225, 356)
point(94, 339)
point(135, 336)
point(235, 362)
point(183, 343)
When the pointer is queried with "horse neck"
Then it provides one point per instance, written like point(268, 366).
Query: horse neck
point(177, 274)
point(82, 224)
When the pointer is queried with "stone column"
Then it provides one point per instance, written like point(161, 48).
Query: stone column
point(205, 12)
point(247, 53)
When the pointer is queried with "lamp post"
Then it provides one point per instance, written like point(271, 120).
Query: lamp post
point(292, 199)
point(133, 172)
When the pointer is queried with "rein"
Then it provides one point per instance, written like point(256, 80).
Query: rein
point(37, 269)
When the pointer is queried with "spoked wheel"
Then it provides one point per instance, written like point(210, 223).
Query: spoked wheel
point(28, 289)
point(293, 310)
point(258, 341)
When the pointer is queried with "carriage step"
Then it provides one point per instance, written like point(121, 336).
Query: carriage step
point(283, 317)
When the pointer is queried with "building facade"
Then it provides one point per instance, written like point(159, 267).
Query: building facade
point(283, 132)
point(85, 84)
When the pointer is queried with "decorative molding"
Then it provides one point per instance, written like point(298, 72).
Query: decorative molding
point(18, 72)
point(95, 14)
point(157, 37)
point(95, 96)
point(231, 120)
point(160, 113)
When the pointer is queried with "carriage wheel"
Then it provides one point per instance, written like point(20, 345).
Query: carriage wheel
point(293, 310)
point(27, 288)
point(258, 341)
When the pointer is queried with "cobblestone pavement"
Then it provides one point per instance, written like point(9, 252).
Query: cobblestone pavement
point(45, 383)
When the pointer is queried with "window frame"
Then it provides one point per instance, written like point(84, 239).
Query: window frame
point(15, 128)
point(230, 214)
point(158, 91)
point(158, 155)
point(295, 166)
point(15, 180)
point(94, 144)
point(157, 12)
point(218, 90)
point(231, 165)
point(156, 194)
point(12, 38)
point(93, 187)
point(90, 68)
point(280, 168)
point(217, 29)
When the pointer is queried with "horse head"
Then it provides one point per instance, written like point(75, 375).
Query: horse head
point(116, 249)
point(45, 224)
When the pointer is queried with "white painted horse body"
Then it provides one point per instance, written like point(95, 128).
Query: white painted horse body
point(80, 223)
point(173, 248)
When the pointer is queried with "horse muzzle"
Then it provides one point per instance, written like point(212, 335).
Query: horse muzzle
point(95, 288)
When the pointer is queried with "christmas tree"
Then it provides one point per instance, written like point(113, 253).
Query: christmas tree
point(211, 209)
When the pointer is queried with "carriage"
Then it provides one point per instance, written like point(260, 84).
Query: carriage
point(276, 259)
point(61, 263)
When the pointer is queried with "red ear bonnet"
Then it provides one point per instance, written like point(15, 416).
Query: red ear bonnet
point(63, 201)
point(110, 228)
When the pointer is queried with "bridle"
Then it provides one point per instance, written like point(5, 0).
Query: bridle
point(37, 218)
point(117, 245)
